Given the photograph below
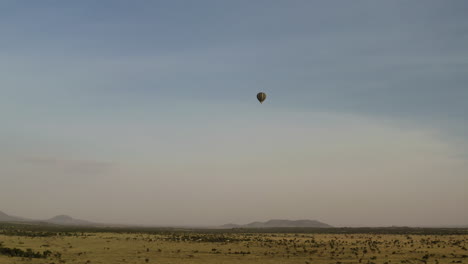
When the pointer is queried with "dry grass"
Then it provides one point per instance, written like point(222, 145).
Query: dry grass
point(242, 248)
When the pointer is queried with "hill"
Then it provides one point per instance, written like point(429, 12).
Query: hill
point(68, 220)
point(63, 220)
point(280, 223)
point(8, 218)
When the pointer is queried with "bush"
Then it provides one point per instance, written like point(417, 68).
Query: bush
point(29, 253)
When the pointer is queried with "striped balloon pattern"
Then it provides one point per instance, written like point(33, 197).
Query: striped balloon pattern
point(261, 97)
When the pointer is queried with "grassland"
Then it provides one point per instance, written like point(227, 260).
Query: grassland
point(88, 245)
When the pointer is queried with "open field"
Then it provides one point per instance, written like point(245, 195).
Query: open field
point(232, 246)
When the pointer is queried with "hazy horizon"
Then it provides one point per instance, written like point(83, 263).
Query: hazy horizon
point(145, 113)
point(223, 224)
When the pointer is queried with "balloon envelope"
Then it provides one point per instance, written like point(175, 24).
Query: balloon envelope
point(261, 97)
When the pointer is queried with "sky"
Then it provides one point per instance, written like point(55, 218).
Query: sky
point(145, 112)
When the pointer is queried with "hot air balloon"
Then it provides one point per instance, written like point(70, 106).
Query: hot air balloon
point(261, 97)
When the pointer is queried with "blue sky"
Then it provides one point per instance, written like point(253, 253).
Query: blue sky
point(154, 85)
point(404, 60)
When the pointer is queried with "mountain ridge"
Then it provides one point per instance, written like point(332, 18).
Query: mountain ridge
point(280, 223)
point(63, 220)
point(9, 218)
point(68, 220)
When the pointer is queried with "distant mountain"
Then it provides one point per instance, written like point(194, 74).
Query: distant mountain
point(67, 220)
point(280, 223)
point(64, 220)
point(8, 218)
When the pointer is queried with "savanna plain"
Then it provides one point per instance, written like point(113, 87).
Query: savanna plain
point(35, 244)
